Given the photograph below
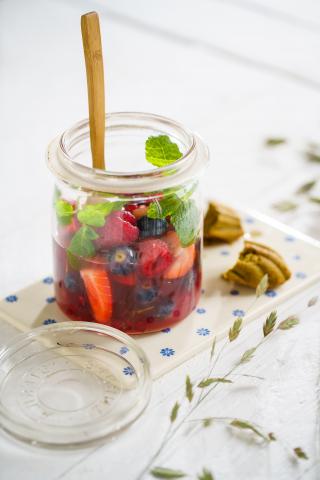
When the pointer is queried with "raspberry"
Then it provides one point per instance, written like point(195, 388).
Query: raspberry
point(126, 216)
point(154, 257)
point(131, 207)
point(119, 229)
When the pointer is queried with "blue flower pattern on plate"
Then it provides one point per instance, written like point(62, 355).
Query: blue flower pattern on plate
point(128, 371)
point(49, 321)
point(11, 298)
point(203, 332)
point(300, 275)
point(234, 292)
point(89, 346)
point(289, 238)
point(238, 313)
point(50, 299)
point(271, 293)
point(167, 352)
point(201, 311)
point(48, 280)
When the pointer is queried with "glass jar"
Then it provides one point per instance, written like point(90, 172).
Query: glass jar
point(127, 240)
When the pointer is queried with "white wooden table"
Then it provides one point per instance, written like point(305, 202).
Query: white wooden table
point(236, 71)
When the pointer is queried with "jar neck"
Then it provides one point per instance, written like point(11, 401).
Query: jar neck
point(126, 133)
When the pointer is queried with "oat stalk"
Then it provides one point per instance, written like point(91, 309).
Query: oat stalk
point(209, 383)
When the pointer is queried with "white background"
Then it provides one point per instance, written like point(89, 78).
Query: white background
point(236, 71)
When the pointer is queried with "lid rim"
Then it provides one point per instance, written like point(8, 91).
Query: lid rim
point(34, 432)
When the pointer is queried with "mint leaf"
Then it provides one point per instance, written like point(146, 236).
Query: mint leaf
point(164, 207)
point(160, 151)
point(95, 215)
point(186, 221)
point(64, 211)
point(82, 242)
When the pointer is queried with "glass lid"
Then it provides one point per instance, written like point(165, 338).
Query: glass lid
point(71, 384)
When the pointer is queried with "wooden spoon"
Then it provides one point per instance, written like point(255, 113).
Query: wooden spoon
point(91, 39)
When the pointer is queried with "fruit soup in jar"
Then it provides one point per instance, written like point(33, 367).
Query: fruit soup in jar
point(127, 240)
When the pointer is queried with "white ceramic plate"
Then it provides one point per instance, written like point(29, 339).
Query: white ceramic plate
point(220, 301)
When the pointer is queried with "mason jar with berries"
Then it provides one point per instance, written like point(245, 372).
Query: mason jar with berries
point(127, 240)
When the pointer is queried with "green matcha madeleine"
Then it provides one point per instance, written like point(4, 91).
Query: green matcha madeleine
point(256, 260)
point(221, 223)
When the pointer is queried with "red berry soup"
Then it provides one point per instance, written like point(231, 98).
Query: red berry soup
point(120, 264)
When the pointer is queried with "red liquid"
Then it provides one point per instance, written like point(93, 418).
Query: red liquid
point(140, 298)
point(172, 299)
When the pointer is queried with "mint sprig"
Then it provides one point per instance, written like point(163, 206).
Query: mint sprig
point(161, 151)
point(186, 220)
point(82, 242)
point(64, 211)
point(95, 215)
point(185, 216)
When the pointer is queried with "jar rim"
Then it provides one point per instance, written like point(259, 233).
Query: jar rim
point(63, 166)
point(137, 173)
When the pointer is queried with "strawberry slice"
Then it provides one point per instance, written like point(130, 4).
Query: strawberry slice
point(98, 288)
point(182, 263)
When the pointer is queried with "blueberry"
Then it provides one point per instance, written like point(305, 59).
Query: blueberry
point(146, 295)
point(70, 282)
point(151, 227)
point(122, 260)
point(165, 308)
